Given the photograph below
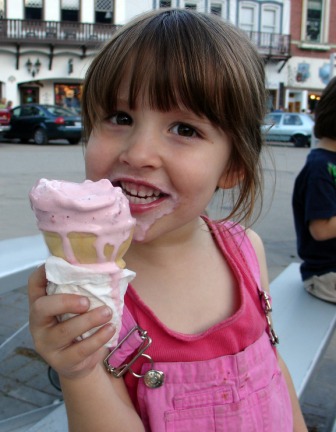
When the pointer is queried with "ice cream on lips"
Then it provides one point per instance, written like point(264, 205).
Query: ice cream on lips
point(88, 228)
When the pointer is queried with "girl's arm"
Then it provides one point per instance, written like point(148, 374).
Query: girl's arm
point(94, 400)
point(299, 423)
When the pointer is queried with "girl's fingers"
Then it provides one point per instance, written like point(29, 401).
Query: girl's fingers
point(72, 358)
point(44, 309)
point(89, 350)
point(67, 331)
point(37, 283)
point(54, 340)
point(48, 332)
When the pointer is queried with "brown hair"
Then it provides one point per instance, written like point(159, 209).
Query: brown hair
point(180, 56)
point(325, 113)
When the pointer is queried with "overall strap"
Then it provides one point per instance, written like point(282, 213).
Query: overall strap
point(236, 241)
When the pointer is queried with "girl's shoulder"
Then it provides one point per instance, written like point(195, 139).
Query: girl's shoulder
point(239, 240)
point(243, 244)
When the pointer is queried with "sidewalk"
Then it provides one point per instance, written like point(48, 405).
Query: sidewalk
point(24, 383)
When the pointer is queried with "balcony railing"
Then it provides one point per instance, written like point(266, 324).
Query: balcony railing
point(54, 32)
point(270, 45)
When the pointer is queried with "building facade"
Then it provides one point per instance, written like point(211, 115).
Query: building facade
point(313, 47)
point(47, 45)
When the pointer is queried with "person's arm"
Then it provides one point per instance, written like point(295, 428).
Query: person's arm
point(99, 402)
point(299, 423)
point(94, 399)
point(323, 229)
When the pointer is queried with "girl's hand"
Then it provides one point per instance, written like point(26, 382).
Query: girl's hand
point(55, 341)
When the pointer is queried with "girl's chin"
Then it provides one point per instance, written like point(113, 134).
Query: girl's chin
point(147, 215)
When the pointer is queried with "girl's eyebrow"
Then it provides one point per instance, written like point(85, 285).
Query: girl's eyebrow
point(121, 100)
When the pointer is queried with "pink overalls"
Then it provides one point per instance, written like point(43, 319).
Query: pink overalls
point(241, 392)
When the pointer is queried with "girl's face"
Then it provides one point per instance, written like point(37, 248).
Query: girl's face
point(168, 165)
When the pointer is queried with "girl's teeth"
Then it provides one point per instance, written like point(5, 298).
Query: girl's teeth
point(138, 200)
point(142, 191)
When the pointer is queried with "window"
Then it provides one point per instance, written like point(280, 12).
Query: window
point(191, 6)
point(2, 9)
point(33, 9)
point(68, 95)
point(165, 4)
point(270, 19)
point(70, 10)
point(104, 11)
point(216, 9)
point(273, 119)
point(314, 20)
point(292, 120)
point(248, 16)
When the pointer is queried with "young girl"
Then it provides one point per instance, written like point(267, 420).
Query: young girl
point(172, 108)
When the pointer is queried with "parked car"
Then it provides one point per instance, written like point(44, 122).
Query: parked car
point(289, 127)
point(5, 116)
point(42, 123)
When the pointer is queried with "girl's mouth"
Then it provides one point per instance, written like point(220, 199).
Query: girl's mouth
point(140, 193)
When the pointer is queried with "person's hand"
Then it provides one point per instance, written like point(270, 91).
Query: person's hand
point(55, 341)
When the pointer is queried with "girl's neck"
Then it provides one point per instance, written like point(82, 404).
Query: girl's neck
point(327, 144)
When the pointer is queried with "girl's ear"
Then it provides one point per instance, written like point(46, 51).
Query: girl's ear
point(230, 178)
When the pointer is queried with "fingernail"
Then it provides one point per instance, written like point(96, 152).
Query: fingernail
point(106, 311)
point(110, 328)
point(84, 301)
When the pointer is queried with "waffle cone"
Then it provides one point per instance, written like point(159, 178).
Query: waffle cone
point(54, 243)
point(122, 250)
point(83, 248)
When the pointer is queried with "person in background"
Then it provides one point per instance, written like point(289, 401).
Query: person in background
point(3, 103)
point(173, 107)
point(314, 204)
point(9, 105)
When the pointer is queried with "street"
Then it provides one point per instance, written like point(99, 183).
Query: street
point(20, 166)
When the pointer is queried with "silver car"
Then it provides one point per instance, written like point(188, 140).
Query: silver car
point(289, 127)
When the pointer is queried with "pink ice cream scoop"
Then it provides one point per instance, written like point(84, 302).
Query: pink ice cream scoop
point(83, 223)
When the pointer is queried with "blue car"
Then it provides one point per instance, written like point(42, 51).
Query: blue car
point(289, 127)
point(42, 123)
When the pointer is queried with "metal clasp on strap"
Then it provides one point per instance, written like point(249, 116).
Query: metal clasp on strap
point(152, 378)
point(119, 371)
point(266, 303)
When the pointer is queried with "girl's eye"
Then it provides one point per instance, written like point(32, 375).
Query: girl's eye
point(121, 118)
point(184, 130)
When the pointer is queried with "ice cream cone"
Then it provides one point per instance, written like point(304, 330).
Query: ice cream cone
point(54, 243)
point(83, 248)
point(88, 228)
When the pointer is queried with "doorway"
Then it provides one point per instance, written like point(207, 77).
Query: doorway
point(29, 95)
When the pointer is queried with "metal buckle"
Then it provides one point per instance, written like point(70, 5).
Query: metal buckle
point(266, 301)
point(267, 304)
point(119, 371)
point(152, 378)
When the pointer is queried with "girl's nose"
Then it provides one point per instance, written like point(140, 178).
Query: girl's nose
point(142, 149)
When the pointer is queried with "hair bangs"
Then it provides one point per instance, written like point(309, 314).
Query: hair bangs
point(173, 67)
point(170, 65)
